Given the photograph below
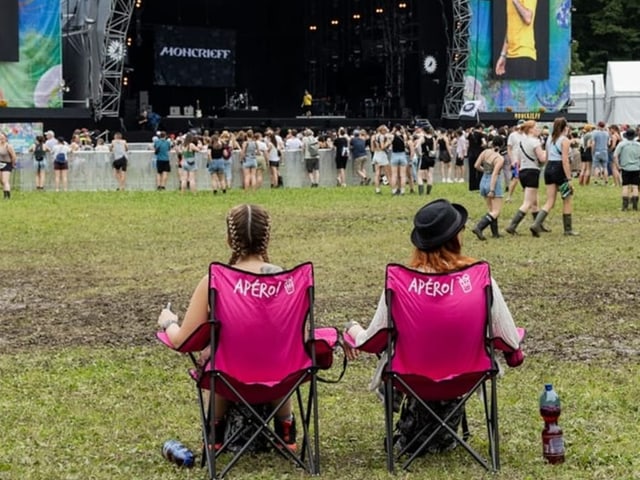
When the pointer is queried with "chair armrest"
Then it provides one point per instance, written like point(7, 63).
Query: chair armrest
point(513, 357)
point(499, 343)
point(375, 345)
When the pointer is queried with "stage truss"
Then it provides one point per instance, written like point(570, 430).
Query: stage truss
point(106, 101)
point(458, 59)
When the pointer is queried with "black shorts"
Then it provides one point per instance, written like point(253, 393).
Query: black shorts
point(554, 174)
point(630, 178)
point(459, 161)
point(273, 164)
point(312, 164)
point(6, 167)
point(530, 178)
point(341, 162)
point(61, 165)
point(445, 157)
point(427, 162)
point(163, 166)
point(120, 164)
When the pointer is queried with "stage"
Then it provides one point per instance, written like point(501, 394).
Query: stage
point(65, 120)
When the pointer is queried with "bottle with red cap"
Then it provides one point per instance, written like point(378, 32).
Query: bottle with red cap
point(552, 439)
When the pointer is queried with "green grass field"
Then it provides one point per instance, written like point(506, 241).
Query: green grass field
point(87, 393)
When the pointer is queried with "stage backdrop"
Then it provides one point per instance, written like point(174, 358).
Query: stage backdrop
point(21, 136)
point(34, 79)
point(547, 87)
point(194, 57)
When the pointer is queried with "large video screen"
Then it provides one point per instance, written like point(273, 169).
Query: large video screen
point(521, 39)
point(509, 67)
point(9, 38)
point(194, 57)
point(34, 77)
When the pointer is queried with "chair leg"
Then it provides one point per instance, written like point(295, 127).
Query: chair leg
point(388, 415)
point(316, 432)
point(496, 431)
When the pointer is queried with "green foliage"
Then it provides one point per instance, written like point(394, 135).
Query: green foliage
point(88, 393)
point(606, 30)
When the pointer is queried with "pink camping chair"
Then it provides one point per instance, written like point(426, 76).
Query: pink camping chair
point(265, 347)
point(440, 346)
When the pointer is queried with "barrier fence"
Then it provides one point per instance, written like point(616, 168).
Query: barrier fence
point(92, 171)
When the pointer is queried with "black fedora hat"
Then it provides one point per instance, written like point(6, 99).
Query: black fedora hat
point(436, 223)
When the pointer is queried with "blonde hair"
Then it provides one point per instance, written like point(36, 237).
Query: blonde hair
point(249, 231)
point(528, 126)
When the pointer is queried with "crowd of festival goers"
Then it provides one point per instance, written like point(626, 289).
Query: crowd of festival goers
point(397, 159)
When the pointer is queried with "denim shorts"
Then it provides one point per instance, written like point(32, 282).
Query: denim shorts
point(216, 166)
point(189, 165)
point(398, 159)
point(485, 186)
point(250, 162)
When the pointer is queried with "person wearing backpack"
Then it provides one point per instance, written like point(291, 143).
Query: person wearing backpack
point(311, 149)
point(39, 150)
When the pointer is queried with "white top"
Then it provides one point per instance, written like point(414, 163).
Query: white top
point(513, 144)
point(293, 143)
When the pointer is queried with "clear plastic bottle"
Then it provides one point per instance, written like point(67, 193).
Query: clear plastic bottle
point(552, 439)
point(177, 453)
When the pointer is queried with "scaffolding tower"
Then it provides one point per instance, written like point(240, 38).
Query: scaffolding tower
point(111, 56)
point(458, 60)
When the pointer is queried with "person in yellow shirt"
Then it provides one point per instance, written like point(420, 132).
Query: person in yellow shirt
point(307, 101)
point(518, 54)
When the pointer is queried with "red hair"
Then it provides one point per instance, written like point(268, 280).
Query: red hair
point(445, 259)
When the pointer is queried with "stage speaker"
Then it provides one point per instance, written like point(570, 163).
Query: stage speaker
point(143, 98)
point(188, 111)
point(174, 111)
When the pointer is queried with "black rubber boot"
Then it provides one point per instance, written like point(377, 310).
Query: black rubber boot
point(495, 233)
point(429, 187)
point(634, 203)
point(515, 221)
point(542, 227)
point(420, 189)
point(7, 194)
point(566, 222)
point(481, 225)
point(536, 227)
point(625, 204)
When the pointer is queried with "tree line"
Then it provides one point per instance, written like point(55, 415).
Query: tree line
point(604, 30)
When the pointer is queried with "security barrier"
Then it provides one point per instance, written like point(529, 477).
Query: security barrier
point(92, 171)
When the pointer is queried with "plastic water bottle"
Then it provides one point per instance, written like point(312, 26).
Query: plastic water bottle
point(177, 453)
point(552, 439)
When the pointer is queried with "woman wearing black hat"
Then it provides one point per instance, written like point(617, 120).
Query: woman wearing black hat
point(437, 237)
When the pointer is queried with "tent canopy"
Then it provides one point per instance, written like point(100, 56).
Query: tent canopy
point(623, 92)
point(587, 93)
point(587, 86)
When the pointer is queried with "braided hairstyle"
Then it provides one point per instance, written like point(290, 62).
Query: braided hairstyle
point(249, 229)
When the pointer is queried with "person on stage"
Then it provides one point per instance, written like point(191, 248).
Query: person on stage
point(518, 55)
point(307, 101)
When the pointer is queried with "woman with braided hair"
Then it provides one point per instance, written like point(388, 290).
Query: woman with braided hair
point(248, 235)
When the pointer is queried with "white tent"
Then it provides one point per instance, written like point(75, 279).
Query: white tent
point(623, 93)
point(587, 93)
